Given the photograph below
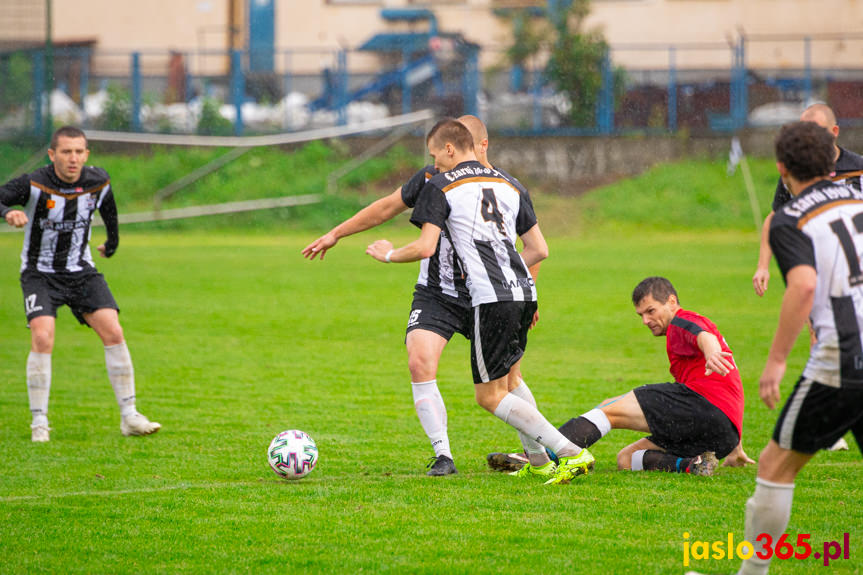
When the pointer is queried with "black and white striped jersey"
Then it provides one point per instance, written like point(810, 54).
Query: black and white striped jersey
point(442, 271)
point(57, 235)
point(848, 171)
point(823, 228)
point(483, 213)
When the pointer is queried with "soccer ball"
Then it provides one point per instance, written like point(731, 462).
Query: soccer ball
point(292, 454)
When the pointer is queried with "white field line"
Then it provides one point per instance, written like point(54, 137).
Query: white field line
point(206, 210)
point(106, 493)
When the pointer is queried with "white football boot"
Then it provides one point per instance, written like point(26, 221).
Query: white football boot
point(40, 433)
point(138, 424)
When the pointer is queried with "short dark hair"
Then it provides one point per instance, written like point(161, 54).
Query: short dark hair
point(450, 130)
point(806, 150)
point(66, 132)
point(659, 287)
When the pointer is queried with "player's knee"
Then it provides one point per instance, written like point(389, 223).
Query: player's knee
point(422, 367)
point(113, 335)
point(43, 342)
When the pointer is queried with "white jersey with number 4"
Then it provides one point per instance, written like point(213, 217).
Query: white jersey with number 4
point(483, 213)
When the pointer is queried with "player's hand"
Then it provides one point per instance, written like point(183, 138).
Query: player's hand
point(102, 250)
point(379, 250)
point(320, 246)
point(768, 384)
point(535, 319)
point(738, 457)
point(719, 362)
point(760, 280)
point(16, 218)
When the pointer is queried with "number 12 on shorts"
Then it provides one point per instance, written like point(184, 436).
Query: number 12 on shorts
point(30, 304)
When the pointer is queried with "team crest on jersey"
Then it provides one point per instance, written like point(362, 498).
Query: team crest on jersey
point(91, 202)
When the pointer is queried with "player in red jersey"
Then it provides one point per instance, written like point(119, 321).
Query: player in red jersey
point(691, 422)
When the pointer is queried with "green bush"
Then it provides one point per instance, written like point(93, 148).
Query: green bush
point(211, 123)
point(117, 115)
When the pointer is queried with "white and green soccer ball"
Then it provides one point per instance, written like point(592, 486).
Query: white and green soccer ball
point(292, 454)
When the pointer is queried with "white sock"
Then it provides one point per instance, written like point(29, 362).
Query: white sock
point(432, 414)
point(122, 376)
point(638, 460)
point(527, 419)
point(767, 511)
point(530, 446)
point(39, 385)
point(597, 417)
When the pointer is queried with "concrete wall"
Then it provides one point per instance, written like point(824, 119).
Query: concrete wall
point(580, 163)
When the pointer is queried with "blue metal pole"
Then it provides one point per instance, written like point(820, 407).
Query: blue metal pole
point(536, 92)
point(605, 114)
point(807, 72)
point(84, 88)
point(406, 88)
point(238, 88)
point(471, 83)
point(38, 91)
point(342, 87)
point(136, 91)
point(672, 89)
point(734, 88)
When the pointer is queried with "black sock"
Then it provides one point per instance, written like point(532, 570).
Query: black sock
point(581, 431)
point(660, 461)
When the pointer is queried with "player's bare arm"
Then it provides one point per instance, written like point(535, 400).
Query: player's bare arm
point(372, 215)
point(715, 360)
point(421, 248)
point(762, 272)
point(796, 306)
point(16, 218)
point(535, 247)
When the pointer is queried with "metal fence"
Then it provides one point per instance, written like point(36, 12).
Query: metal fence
point(754, 80)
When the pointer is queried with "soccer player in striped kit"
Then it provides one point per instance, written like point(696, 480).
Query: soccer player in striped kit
point(440, 308)
point(483, 213)
point(816, 238)
point(57, 269)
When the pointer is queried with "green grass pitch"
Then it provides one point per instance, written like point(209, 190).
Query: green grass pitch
point(235, 338)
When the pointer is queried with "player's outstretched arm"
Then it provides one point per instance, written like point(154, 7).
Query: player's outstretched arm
point(370, 216)
point(535, 247)
point(762, 272)
point(421, 248)
point(796, 305)
point(715, 360)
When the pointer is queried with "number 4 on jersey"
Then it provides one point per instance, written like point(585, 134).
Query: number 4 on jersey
point(490, 211)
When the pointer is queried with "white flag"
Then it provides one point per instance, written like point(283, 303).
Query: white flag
point(734, 156)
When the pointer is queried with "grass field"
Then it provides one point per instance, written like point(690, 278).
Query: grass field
point(235, 337)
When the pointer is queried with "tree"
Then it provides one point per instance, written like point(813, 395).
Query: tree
point(576, 56)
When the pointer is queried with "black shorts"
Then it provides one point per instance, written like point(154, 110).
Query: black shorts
point(84, 292)
point(499, 337)
point(815, 416)
point(444, 315)
point(684, 423)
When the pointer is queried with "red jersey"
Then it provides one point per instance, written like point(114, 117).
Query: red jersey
point(688, 365)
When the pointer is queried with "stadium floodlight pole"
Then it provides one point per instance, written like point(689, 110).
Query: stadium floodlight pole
point(48, 125)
